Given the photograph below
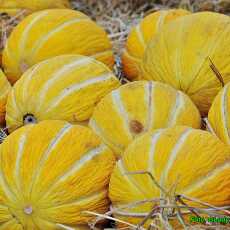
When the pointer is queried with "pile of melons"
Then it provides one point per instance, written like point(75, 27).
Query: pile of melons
point(80, 143)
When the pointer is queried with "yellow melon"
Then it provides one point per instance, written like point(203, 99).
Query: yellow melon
point(219, 114)
point(5, 88)
point(190, 54)
point(50, 173)
point(141, 35)
point(50, 33)
point(138, 107)
point(34, 4)
point(182, 161)
point(65, 87)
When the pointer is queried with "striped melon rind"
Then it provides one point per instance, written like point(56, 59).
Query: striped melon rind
point(141, 34)
point(5, 88)
point(138, 107)
point(218, 115)
point(34, 5)
point(50, 173)
point(182, 160)
point(50, 33)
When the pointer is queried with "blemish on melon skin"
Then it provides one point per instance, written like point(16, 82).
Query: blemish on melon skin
point(24, 66)
point(136, 127)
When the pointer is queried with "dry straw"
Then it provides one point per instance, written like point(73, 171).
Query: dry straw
point(170, 206)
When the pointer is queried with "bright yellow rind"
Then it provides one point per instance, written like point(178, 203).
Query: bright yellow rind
point(141, 35)
point(218, 115)
point(194, 161)
point(138, 107)
point(56, 169)
point(51, 33)
point(180, 56)
point(34, 4)
point(5, 88)
point(66, 87)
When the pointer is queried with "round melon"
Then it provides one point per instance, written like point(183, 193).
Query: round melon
point(219, 115)
point(50, 173)
point(34, 4)
point(181, 161)
point(66, 87)
point(50, 33)
point(192, 54)
point(141, 34)
point(140, 106)
point(5, 88)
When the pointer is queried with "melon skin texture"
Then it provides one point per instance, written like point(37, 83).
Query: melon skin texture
point(138, 107)
point(141, 34)
point(66, 87)
point(218, 115)
point(34, 5)
point(181, 55)
point(193, 162)
point(5, 88)
point(18, 14)
point(50, 33)
point(51, 173)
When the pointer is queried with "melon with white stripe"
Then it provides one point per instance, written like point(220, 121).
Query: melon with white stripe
point(192, 54)
point(66, 87)
point(141, 34)
point(182, 161)
point(34, 4)
point(138, 107)
point(5, 88)
point(50, 33)
point(219, 114)
point(50, 173)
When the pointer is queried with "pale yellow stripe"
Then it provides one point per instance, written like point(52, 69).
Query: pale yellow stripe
point(173, 154)
point(119, 106)
point(175, 112)
point(140, 35)
point(44, 39)
point(76, 167)
point(224, 112)
point(59, 74)
point(27, 29)
point(201, 181)
point(76, 87)
point(52, 145)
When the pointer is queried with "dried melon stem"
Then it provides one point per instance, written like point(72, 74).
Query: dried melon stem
point(216, 72)
point(28, 210)
point(171, 206)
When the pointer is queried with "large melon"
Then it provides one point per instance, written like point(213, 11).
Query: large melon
point(50, 33)
point(192, 54)
point(183, 162)
point(50, 173)
point(140, 36)
point(66, 87)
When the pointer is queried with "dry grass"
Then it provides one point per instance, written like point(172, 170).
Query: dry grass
point(169, 207)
